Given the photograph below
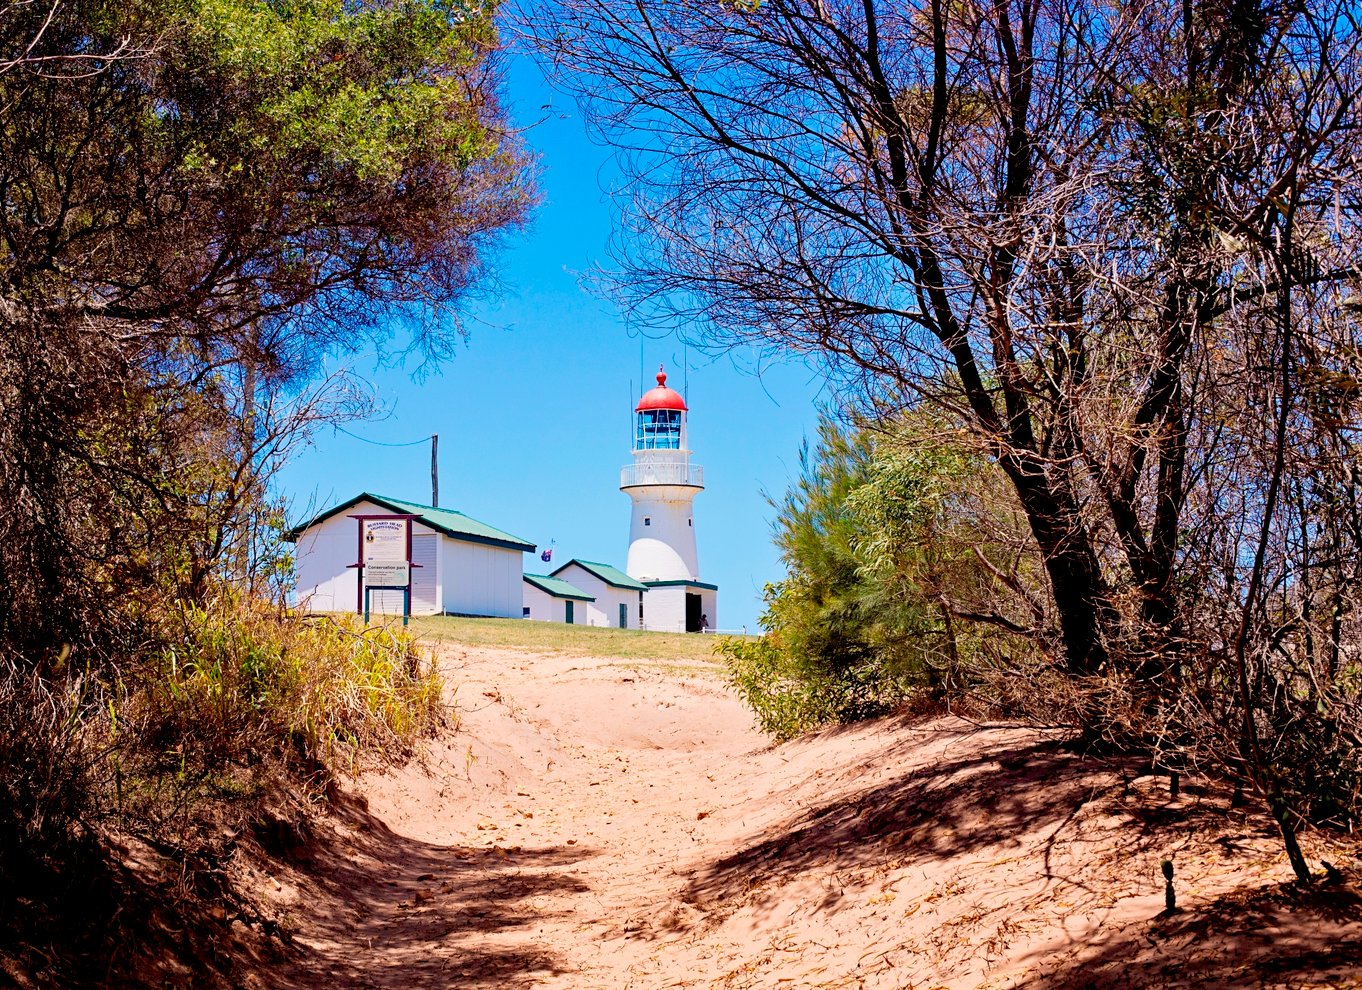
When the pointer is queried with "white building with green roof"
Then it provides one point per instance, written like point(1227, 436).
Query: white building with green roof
point(551, 599)
point(457, 565)
point(380, 554)
point(616, 598)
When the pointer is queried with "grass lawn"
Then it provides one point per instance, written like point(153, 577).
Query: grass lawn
point(646, 649)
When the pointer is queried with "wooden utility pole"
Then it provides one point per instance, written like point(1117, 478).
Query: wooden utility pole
point(435, 470)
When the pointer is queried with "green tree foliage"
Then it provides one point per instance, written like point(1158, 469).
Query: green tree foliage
point(889, 536)
point(187, 225)
point(199, 200)
point(821, 659)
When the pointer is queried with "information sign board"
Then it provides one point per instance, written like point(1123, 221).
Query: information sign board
point(387, 575)
point(385, 541)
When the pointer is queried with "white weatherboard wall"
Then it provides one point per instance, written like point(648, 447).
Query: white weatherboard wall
point(605, 610)
point(425, 578)
point(546, 608)
point(481, 580)
point(322, 559)
point(321, 556)
point(456, 576)
point(665, 607)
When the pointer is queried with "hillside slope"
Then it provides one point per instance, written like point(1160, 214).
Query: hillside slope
point(599, 825)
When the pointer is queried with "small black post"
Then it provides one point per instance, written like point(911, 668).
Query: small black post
point(1170, 900)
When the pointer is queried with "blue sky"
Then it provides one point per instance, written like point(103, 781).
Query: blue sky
point(535, 414)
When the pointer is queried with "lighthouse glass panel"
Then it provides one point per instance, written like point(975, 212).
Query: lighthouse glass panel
point(659, 429)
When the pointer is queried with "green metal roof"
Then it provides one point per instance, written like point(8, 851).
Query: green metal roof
point(688, 584)
point(612, 576)
point(453, 524)
point(558, 588)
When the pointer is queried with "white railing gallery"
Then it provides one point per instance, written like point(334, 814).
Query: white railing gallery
point(660, 472)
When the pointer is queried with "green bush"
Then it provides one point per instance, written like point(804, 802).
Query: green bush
point(895, 546)
point(792, 694)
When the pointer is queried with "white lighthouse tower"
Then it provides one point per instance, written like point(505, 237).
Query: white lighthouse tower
point(662, 483)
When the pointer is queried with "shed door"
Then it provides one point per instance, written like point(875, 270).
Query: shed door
point(624, 616)
point(567, 613)
point(424, 600)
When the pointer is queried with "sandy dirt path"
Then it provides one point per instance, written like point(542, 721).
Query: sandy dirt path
point(595, 824)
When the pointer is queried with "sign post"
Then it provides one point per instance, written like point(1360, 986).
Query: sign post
point(385, 558)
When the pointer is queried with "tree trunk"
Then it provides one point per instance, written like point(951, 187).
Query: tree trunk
point(1081, 595)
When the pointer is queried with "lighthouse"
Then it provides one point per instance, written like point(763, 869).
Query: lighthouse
point(662, 484)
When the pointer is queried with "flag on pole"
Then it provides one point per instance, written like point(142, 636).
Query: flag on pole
point(547, 555)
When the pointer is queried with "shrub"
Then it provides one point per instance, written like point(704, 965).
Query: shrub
point(907, 575)
point(243, 684)
point(791, 693)
point(45, 764)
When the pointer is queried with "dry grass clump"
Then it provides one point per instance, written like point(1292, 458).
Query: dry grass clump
point(225, 701)
point(228, 701)
point(45, 771)
point(242, 684)
point(124, 793)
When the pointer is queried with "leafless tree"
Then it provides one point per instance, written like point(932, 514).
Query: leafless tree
point(1110, 237)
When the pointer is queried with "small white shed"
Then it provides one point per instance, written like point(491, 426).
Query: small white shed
point(617, 598)
point(548, 599)
point(460, 566)
point(682, 606)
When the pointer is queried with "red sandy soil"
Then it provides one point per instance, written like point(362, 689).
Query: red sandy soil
point(591, 825)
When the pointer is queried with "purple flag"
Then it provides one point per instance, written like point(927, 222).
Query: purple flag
point(547, 555)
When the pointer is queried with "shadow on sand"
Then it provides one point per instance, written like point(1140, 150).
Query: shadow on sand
point(396, 912)
point(924, 812)
point(1260, 936)
point(1270, 936)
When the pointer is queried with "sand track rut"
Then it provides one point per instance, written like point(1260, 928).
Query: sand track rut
point(592, 825)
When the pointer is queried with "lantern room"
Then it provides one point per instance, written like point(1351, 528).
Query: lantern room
point(661, 418)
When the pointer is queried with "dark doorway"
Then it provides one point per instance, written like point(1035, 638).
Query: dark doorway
point(568, 613)
point(624, 616)
point(692, 612)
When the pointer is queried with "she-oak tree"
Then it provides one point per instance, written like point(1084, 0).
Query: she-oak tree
point(1048, 216)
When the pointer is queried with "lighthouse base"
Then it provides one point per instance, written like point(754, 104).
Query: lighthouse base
point(681, 606)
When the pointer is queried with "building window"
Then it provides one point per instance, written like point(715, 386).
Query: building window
point(690, 522)
point(525, 612)
point(647, 520)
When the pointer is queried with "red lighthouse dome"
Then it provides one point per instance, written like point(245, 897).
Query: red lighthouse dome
point(661, 397)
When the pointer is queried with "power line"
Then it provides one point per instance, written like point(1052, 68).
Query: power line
point(379, 443)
